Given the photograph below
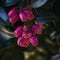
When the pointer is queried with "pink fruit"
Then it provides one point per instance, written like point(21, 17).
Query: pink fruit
point(14, 19)
point(34, 40)
point(29, 14)
point(26, 34)
point(13, 12)
point(36, 29)
point(18, 31)
point(39, 24)
point(22, 16)
point(23, 42)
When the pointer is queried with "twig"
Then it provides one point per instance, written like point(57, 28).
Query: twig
point(29, 6)
point(36, 11)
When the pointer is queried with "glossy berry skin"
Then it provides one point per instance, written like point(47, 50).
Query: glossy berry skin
point(22, 16)
point(13, 12)
point(26, 15)
point(29, 14)
point(26, 34)
point(18, 31)
point(23, 42)
point(37, 29)
point(14, 19)
point(34, 40)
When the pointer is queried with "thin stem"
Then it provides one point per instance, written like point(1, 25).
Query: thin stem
point(36, 11)
point(29, 6)
point(13, 26)
point(21, 6)
point(27, 2)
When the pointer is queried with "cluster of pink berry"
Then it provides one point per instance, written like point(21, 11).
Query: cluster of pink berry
point(25, 34)
point(24, 15)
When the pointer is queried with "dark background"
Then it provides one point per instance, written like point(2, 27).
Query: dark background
point(9, 49)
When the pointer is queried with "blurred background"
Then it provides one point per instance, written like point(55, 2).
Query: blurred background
point(48, 42)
